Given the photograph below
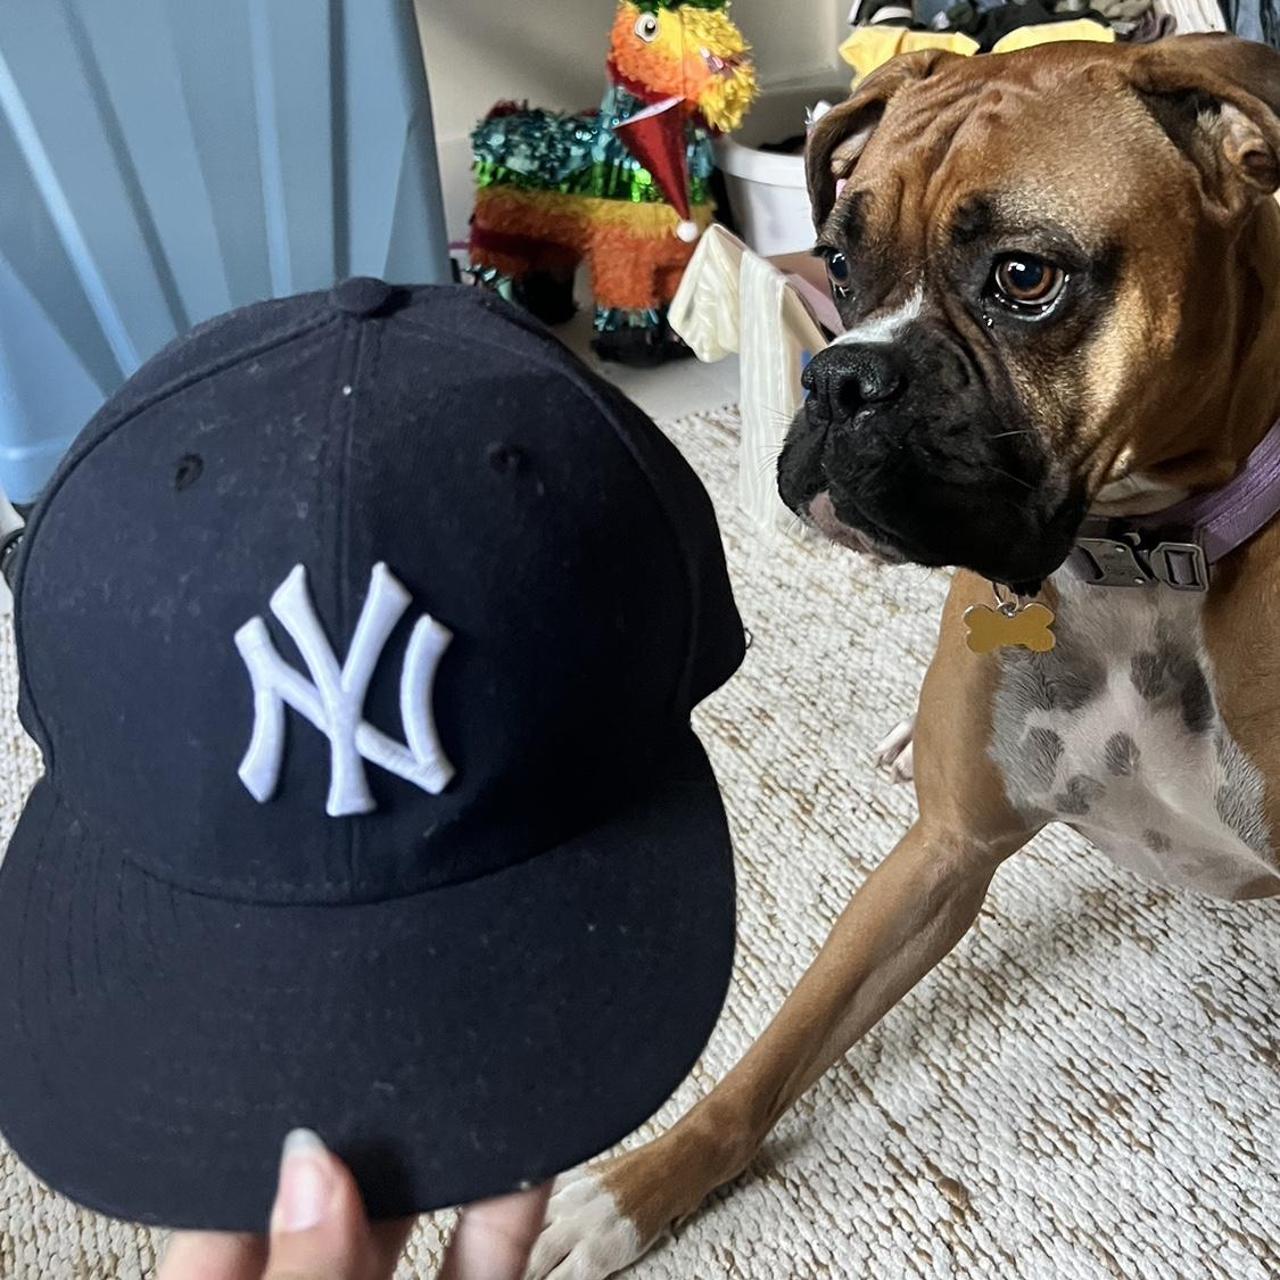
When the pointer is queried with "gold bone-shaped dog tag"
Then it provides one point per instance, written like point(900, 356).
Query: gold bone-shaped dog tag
point(1028, 627)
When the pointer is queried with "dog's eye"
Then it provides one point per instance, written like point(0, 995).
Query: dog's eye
point(1026, 283)
point(647, 27)
point(838, 271)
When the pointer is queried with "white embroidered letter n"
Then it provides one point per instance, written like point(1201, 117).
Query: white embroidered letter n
point(333, 700)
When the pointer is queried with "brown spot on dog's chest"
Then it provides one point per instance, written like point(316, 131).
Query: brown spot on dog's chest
point(1170, 673)
point(1121, 755)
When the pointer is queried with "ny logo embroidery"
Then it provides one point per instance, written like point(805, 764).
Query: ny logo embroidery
point(333, 700)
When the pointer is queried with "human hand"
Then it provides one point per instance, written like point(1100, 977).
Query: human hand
point(319, 1232)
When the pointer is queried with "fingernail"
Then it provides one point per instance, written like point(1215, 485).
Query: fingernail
point(305, 1183)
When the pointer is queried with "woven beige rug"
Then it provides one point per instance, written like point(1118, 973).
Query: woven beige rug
point(1088, 1088)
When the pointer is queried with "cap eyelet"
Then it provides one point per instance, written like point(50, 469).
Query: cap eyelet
point(505, 459)
point(188, 471)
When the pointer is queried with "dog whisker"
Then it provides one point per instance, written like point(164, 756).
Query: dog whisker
point(769, 464)
point(1008, 475)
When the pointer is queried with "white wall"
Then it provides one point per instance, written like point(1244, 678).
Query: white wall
point(552, 52)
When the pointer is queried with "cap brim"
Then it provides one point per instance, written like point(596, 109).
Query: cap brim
point(158, 1044)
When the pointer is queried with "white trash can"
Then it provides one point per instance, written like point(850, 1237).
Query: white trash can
point(767, 188)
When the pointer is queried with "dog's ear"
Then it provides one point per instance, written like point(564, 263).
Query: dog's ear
point(838, 138)
point(1218, 99)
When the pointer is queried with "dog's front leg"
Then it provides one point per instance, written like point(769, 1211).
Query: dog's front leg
point(909, 913)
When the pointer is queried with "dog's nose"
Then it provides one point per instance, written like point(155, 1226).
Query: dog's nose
point(846, 377)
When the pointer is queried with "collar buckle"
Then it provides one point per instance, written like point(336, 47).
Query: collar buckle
point(1109, 562)
point(1180, 565)
point(1118, 558)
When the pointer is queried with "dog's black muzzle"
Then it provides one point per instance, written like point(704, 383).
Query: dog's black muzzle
point(915, 455)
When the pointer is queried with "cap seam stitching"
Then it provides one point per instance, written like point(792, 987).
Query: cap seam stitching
point(361, 355)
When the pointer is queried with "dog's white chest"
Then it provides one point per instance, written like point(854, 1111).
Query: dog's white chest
point(1117, 731)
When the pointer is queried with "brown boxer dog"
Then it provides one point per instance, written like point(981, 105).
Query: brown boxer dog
point(1045, 325)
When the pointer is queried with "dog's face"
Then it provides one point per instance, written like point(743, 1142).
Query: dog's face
point(1035, 256)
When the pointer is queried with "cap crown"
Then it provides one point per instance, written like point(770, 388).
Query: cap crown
point(350, 595)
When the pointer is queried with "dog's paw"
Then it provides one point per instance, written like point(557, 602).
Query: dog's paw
point(896, 753)
point(586, 1235)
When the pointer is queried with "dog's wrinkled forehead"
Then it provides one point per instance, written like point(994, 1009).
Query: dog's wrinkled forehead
point(1086, 133)
point(978, 147)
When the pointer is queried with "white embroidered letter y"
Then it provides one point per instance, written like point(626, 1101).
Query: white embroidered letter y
point(333, 700)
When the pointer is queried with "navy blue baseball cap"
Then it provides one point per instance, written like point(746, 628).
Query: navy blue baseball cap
point(359, 633)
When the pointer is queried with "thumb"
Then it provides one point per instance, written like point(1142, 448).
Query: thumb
point(318, 1226)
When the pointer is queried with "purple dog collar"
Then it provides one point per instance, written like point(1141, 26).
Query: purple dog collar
point(1178, 546)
